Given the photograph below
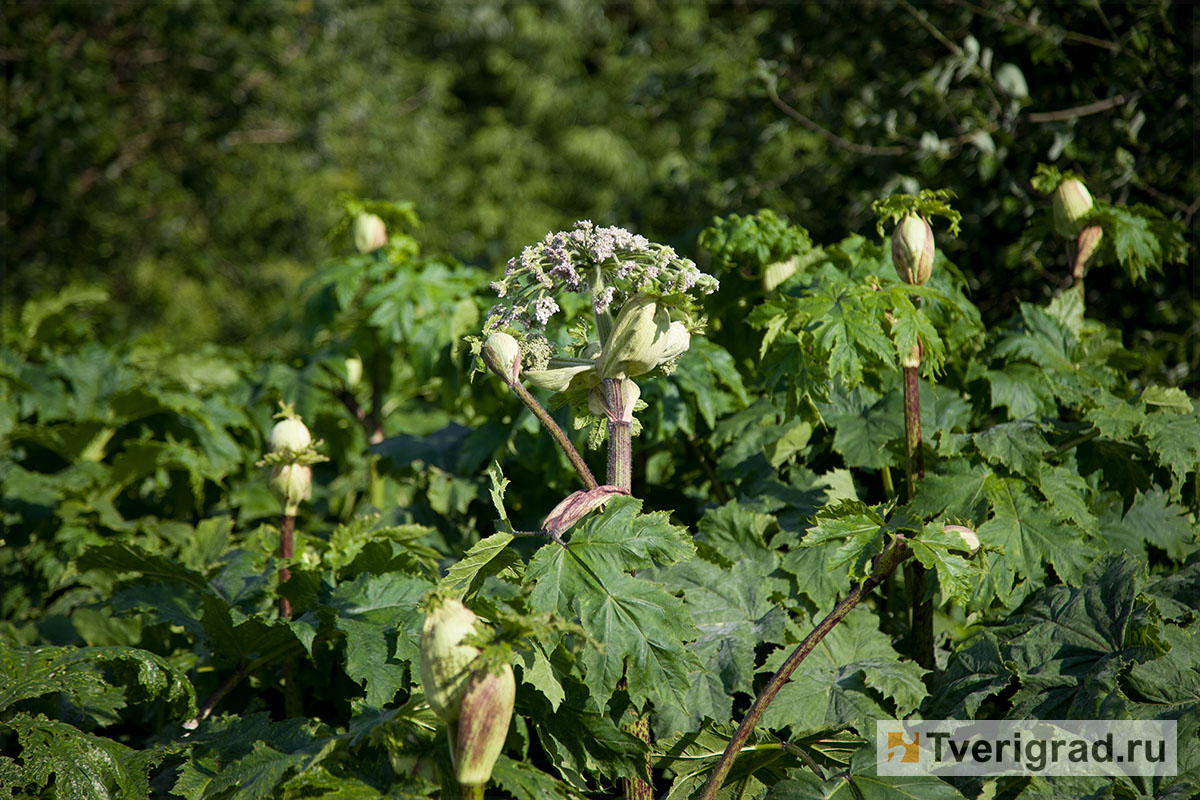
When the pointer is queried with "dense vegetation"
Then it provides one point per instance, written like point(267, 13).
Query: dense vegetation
point(989, 477)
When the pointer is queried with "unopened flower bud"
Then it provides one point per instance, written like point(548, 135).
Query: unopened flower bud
point(777, 272)
point(580, 374)
point(637, 341)
point(445, 660)
point(969, 538)
point(502, 352)
point(291, 484)
point(1089, 240)
point(1071, 205)
point(370, 233)
point(289, 434)
point(912, 250)
point(629, 394)
point(487, 707)
point(354, 371)
point(676, 344)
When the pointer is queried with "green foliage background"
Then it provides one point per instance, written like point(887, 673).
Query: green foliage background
point(184, 155)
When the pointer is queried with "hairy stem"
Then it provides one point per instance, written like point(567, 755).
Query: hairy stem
point(287, 543)
point(620, 474)
point(620, 435)
point(887, 561)
point(287, 549)
point(556, 433)
point(914, 573)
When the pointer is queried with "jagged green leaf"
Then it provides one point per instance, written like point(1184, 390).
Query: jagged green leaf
point(249, 754)
point(382, 623)
point(30, 672)
point(487, 557)
point(943, 553)
point(1030, 537)
point(735, 614)
point(82, 765)
point(854, 677)
point(849, 535)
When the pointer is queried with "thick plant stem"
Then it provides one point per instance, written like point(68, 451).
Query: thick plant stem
point(886, 562)
point(620, 434)
point(620, 474)
point(287, 549)
point(914, 573)
point(287, 537)
point(556, 433)
point(470, 792)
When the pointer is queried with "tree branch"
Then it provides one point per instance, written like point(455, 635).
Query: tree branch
point(845, 144)
point(1081, 111)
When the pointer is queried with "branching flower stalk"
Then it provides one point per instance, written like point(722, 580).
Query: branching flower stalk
point(634, 287)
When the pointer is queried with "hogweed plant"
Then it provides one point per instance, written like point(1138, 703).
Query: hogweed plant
point(632, 287)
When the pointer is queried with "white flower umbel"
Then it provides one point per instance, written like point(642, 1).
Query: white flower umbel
point(609, 263)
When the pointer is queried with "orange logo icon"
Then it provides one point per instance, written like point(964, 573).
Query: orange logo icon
point(912, 750)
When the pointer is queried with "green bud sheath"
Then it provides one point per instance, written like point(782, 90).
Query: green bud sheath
point(487, 707)
point(912, 250)
point(291, 484)
point(638, 339)
point(370, 233)
point(445, 660)
point(502, 350)
point(289, 434)
point(1072, 203)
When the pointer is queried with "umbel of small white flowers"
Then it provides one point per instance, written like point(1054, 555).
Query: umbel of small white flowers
point(609, 263)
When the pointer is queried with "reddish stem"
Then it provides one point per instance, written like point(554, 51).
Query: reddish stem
point(287, 536)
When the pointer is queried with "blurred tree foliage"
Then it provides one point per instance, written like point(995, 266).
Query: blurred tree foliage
point(187, 155)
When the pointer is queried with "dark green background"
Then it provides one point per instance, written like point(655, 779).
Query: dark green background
point(187, 156)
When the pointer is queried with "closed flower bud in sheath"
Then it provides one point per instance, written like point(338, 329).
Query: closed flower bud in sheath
point(487, 707)
point(912, 250)
point(445, 660)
